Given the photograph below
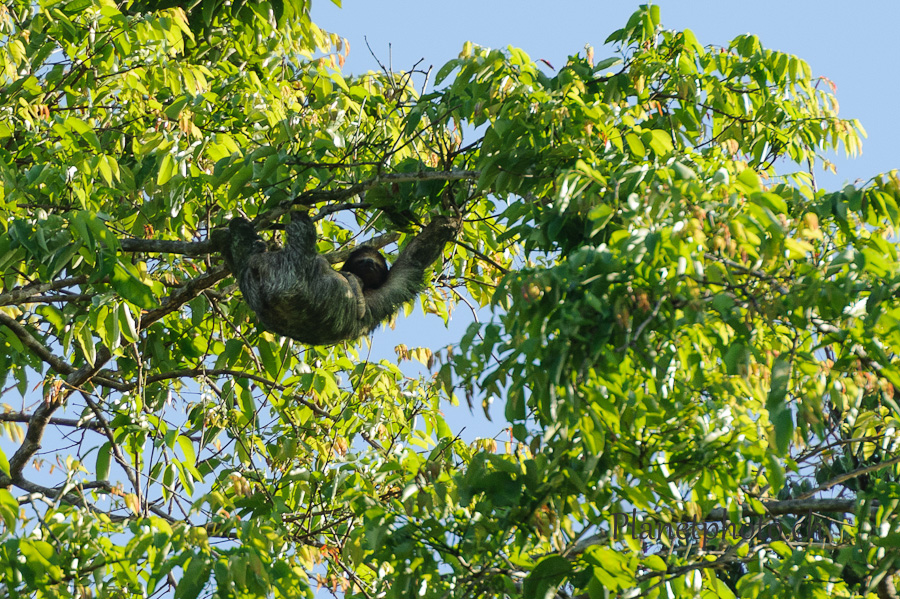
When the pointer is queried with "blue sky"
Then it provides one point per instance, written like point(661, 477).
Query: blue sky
point(855, 44)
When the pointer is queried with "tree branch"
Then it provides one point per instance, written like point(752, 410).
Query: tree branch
point(166, 246)
point(184, 294)
point(70, 422)
point(17, 296)
point(59, 365)
point(210, 372)
point(481, 255)
point(36, 491)
point(791, 506)
point(850, 475)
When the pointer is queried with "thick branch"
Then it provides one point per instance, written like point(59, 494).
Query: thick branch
point(17, 296)
point(792, 506)
point(211, 372)
point(70, 422)
point(54, 493)
point(166, 246)
point(184, 294)
point(58, 365)
point(201, 248)
point(332, 195)
point(39, 491)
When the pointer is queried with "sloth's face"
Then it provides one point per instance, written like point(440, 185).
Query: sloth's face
point(369, 266)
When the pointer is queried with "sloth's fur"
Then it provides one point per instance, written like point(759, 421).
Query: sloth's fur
point(295, 292)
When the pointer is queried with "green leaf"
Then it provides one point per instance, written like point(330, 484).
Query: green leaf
point(660, 142)
point(277, 10)
point(772, 201)
point(167, 479)
point(103, 458)
point(781, 377)
point(749, 179)
point(167, 169)
point(9, 507)
point(784, 429)
point(186, 477)
point(270, 360)
point(126, 324)
point(38, 554)
point(238, 182)
point(173, 110)
point(719, 588)
point(104, 169)
point(85, 339)
point(109, 332)
point(445, 70)
point(684, 172)
point(126, 282)
point(655, 562)
point(635, 146)
point(187, 447)
point(606, 63)
point(196, 575)
point(546, 577)
point(76, 6)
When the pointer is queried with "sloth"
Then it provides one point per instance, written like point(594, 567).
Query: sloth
point(295, 292)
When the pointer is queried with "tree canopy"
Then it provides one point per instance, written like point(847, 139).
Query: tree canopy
point(695, 345)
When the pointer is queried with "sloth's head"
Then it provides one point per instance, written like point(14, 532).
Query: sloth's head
point(369, 265)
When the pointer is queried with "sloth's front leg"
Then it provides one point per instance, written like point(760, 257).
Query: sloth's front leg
point(356, 289)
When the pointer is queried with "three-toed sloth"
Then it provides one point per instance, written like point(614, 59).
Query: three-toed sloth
point(295, 292)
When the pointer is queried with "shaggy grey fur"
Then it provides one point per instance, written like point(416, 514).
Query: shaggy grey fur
point(296, 293)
